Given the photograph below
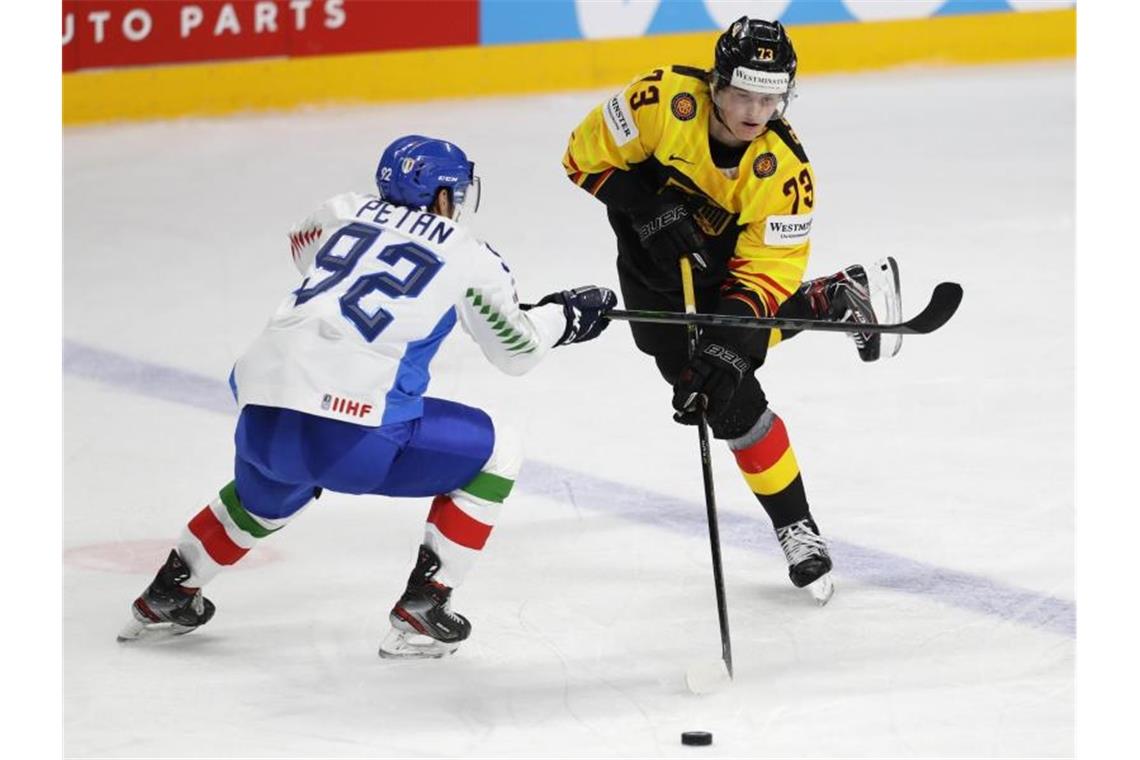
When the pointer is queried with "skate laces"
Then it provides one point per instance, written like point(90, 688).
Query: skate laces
point(455, 619)
point(800, 542)
point(445, 608)
point(437, 600)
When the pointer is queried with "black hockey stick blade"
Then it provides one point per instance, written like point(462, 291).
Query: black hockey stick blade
point(943, 304)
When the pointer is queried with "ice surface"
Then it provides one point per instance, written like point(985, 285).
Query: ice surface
point(943, 478)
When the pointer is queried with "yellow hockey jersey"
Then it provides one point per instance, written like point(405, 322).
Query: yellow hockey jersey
point(757, 216)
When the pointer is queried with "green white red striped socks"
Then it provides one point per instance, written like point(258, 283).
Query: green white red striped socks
point(221, 534)
point(460, 522)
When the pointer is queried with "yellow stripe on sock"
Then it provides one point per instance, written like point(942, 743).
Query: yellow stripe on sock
point(777, 477)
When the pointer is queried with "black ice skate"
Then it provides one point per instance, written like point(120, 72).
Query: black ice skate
point(848, 296)
point(167, 608)
point(423, 624)
point(809, 564)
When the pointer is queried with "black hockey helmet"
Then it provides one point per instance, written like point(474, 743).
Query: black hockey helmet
point(756, 55)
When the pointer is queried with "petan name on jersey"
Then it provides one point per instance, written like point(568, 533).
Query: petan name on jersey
point(410, 221)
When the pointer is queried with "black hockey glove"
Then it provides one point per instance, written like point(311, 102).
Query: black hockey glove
point(585, 310)
point(665, 228)
point(708, 382)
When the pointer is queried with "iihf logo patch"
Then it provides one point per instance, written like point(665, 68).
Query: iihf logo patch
point(684, 106)
point(341, 405)
point(764, 165)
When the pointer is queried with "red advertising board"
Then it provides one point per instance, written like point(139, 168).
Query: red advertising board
point(122, 33)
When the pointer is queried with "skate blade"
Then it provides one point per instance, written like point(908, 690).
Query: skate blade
point(137, 630)
point(402, 645)
point(822, 589)
point(885, 289)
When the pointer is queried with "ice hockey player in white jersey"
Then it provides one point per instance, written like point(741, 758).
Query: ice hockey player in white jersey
point(332, 392)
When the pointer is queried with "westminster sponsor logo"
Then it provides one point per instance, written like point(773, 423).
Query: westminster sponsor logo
point(766, 82)
point(619, 120)
point(787, 230)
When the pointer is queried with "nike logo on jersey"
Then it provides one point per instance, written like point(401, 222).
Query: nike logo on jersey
point(675, 157)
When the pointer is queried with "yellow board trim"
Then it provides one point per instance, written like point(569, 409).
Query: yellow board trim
point(213, 89)
point(777, 477)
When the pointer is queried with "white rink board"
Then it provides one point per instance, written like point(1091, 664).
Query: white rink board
point(943, 478)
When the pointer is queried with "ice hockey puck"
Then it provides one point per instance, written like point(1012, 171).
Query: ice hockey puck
point(696, 738)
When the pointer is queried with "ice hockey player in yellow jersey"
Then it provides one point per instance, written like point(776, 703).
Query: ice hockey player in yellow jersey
point(700, 163)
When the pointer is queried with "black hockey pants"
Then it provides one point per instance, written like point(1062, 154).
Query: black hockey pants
point(669, 347)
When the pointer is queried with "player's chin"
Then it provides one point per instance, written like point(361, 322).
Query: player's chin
point(748, 130)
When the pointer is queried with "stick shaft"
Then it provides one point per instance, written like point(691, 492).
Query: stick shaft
point(707, 476)
point(939, 309)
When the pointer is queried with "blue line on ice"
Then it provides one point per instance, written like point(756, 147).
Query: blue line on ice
point(866, 565)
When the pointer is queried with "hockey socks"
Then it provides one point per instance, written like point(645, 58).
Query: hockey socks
point(460, 522)
point(221, 534)
point(766, 459)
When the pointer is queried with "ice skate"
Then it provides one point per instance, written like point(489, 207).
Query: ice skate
point(809, 564)
point(167, 608)
point(423, 625)
point(851, 296)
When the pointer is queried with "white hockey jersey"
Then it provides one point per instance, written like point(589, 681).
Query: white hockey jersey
point(384, 286)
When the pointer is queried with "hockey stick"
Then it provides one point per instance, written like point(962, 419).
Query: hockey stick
point(942, 306)
point(707, 475)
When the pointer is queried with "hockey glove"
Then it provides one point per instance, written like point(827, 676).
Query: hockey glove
point(666, 230)
point(708, 382)
point(585, 310)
